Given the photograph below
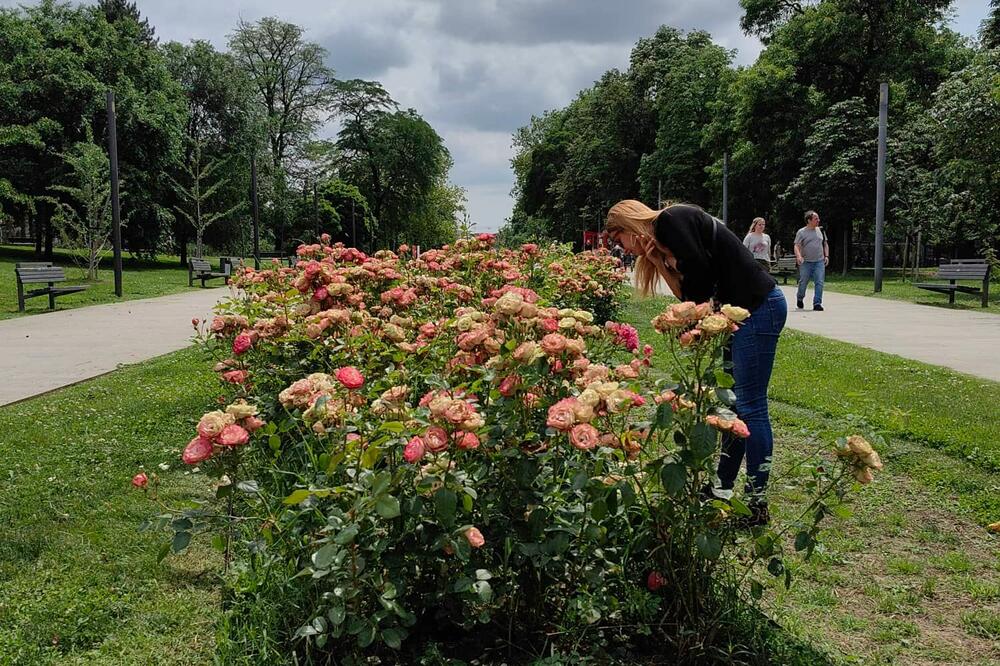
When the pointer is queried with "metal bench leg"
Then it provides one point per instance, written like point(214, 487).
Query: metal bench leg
point(986, 290)
point(52, 297)
point(20, 296)
point(190, 278)
point(951, 294)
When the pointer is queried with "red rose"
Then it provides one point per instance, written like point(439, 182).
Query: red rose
point(140, 480)
point(655, 581)
point(233, 435)
point(350, 377)
point(198, 450)
point(242, 343)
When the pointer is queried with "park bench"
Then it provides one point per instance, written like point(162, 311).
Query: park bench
point(199, 269)
point(42, 273)
point(784, 266)
point(961, 269)
point(229, 264)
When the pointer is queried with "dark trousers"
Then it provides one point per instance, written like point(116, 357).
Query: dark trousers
point(752, 352)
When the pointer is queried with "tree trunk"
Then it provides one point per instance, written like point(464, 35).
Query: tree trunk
point(847, 249)
point(182, 242)
point(197, 244)
point(49, 235)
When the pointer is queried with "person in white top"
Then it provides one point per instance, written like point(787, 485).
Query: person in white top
point(758, 242)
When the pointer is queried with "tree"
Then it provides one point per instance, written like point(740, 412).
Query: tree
point(344, 214)
point(966, 115)
point(989, 32)
point(202, 185)
point(123, 10)
point(292, 83)
point(84, 221)
point(58, 94)
point(221, 122)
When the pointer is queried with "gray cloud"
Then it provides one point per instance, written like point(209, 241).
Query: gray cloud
point(476, 69)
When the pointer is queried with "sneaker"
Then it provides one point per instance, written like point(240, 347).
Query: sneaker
point(817, 308)
point(799, 304)
point(759, 516)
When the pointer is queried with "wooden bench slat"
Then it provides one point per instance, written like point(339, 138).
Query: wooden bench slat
point(961, 269)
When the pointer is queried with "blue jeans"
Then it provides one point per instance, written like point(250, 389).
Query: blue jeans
point(752, 352)
point(815, 271)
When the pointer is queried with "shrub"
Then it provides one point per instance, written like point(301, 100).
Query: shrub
point(450, 453)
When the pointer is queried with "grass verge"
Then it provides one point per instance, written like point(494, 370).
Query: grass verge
point(78, 582)
point(140, 279)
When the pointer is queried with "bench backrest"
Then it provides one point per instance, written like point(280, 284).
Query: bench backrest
point(784, 263)
point(200, 265)
point(964, 269)
point(28, 273)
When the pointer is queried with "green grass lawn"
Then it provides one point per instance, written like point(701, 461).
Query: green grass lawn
point(913, 577)
point(79, 584)
point(862, 283)
point(140, 279)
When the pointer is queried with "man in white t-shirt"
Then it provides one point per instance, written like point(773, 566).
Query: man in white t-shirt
point(812, 253)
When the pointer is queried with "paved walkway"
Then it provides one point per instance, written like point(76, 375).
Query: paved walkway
point(964, 340)
point(46, 351)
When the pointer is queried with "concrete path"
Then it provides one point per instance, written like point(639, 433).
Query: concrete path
point(964, 340)
point(42, 352)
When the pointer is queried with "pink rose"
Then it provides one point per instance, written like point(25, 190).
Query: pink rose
point(198, 449)
point(140, 480)
point(562, 415)
point(235, 376)
point(252, 423)
point(655, 581)
point(474, 537)
point(195, 321)
point(509, 385)
point(740, 429)
point(467, 440)
point(435, 439)
point(350, 377)
point(553, 344)
point(414, 450)
point(242, 343)
point(550, 325)
point(530, 400)
point(234, 435)
point(584, 436)
point(321, 294)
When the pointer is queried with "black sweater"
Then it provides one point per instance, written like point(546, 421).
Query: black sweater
point(725, 269)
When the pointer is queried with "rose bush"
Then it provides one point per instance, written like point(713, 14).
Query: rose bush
point(453, 447)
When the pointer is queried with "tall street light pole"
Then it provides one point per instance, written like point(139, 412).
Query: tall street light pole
point(116, 214)
point(256, 211)
point(883, 115)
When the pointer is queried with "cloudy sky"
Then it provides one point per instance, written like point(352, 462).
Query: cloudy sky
point(477, 69)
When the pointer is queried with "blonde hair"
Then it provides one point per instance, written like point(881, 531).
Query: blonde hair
point(635, 217)
point(753, 225)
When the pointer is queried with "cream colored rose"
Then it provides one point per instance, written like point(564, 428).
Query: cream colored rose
point(584, 316)
point(584, 413)
point(714, 324)
point(212, 423)
point(509, 304)
point(394, 333)
point(567, 323)
point(576, 346)
point(526, 352)
point(241, 410)
point(859, 446)
point(589, 397)
point(735, 313)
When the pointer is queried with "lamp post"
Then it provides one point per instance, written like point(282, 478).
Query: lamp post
point(883, 114)
point(116, 218)
point(256, 211)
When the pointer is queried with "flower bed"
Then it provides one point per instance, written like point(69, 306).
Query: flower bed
point(453, 453)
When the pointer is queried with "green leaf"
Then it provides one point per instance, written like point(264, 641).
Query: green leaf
point(726, 396)
point(664, 416)
point(219, 543)
point(371, 456)
point(739, 508)
point(483, 589)
point(703, 440)
point(393, 637)
point(366, 635)
point(756, 589)
point(395, 427)
point(723, 379)
point(483, 574)
point(673, 476)
point(323, 557)
point(775, 567)
point(802, 540)
point(181, 541)
point(466, 503)
point(599, 510)
point(249, 486)
point(445, 502)
point(346, 535)
point(381, 483)
point(335, 461)
point(709, 545)
point(337, 614)
point(297, 497)
point(387, 506)
point(163, 551)
point(274, 442)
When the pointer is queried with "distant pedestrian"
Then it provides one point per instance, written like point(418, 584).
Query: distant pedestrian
point(812, 253)
point(759, 243)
